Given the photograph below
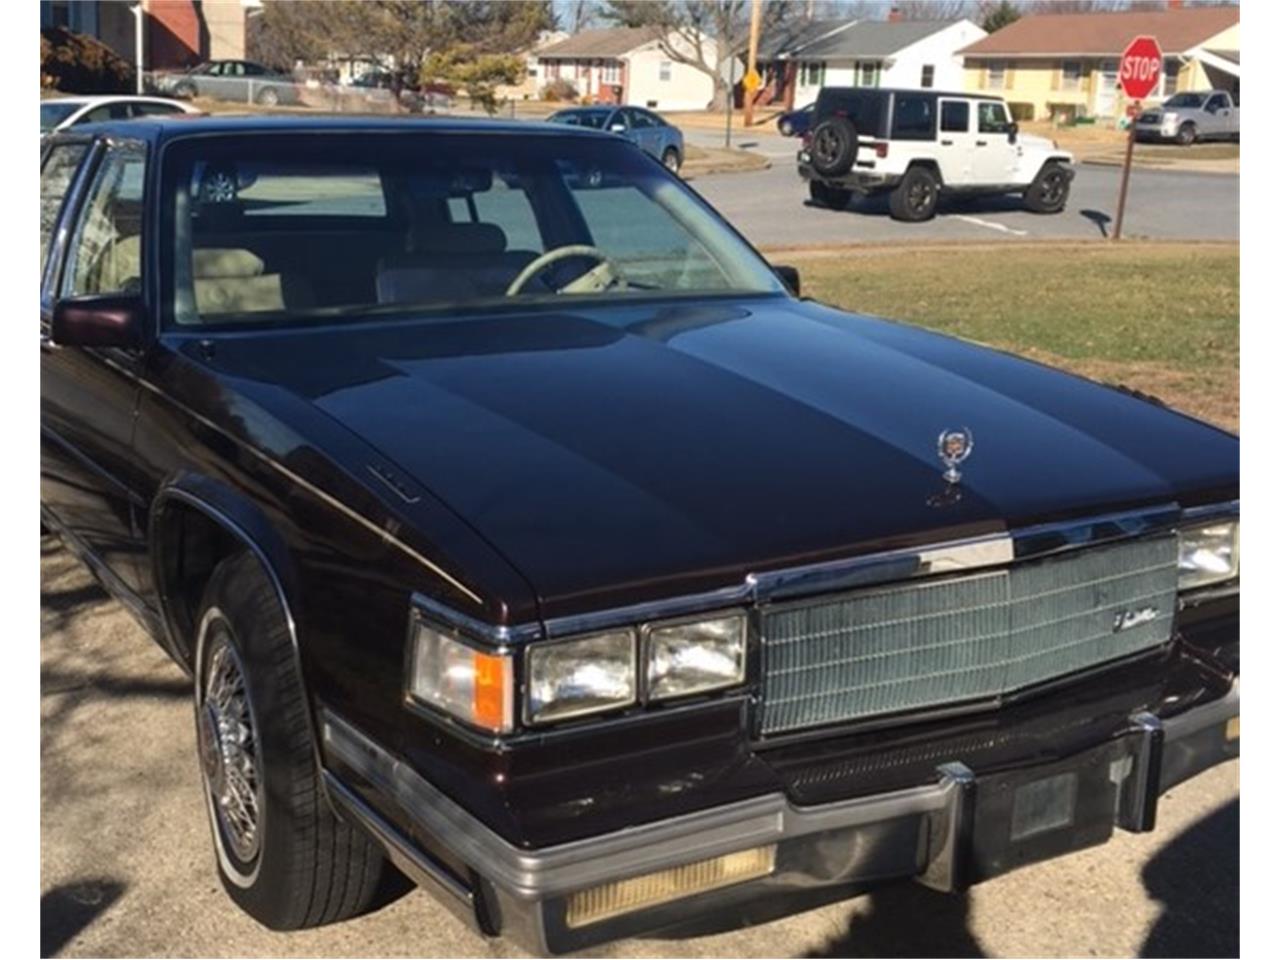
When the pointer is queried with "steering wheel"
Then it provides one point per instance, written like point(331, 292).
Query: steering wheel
point(602, 276)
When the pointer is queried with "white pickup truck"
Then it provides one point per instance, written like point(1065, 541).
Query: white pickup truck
point(1188, 117)
point(919, 144)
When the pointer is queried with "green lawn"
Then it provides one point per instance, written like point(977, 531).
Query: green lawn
point(1159, 317)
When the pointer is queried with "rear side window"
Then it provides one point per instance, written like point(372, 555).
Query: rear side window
point(954, 117)
point(913, 118)
point(55, 179)
point(106, 252)
point(866, 109)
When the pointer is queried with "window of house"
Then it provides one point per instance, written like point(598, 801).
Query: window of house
point(1071, 71)
point(954, 116)
point(611, 72)
point(926, 76)
point(815, 74)
point(995, 75)
point(664, 70)
point(866, 73)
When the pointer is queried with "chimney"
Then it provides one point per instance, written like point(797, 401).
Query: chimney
point(1173, 4)
point(895, 14)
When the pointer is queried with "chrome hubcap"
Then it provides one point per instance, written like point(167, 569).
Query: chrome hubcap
point(229, 752)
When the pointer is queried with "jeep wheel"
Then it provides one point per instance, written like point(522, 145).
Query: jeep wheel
point(916, 196)
point(283, 856)
point(1048, 191)
point(829, 196)
point(834, 147)
point(1187, 134)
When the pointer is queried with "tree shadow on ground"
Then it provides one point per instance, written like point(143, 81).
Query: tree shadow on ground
point(68, 909)
point(1196, 879)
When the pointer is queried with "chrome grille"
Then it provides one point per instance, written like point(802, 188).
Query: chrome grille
point(934, 642)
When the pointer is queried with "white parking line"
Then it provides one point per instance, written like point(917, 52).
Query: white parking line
point(988, 224)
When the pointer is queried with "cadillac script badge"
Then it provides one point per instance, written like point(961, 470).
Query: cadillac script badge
point(954, 447)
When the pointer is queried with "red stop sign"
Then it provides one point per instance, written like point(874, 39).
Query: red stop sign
point(1140, 67)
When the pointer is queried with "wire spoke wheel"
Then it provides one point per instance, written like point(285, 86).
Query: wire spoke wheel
point(229, 748)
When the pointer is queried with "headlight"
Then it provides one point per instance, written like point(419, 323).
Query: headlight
point(571, 678)
point(462, 681)
point(1208, 554)
point(694, 657)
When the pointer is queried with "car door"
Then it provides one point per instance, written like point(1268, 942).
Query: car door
point(1217, 121)
point(955, 140)
point(645, 131)
point(88, 395)
point(995, 158)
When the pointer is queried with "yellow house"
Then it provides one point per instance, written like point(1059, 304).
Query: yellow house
point(1063, 65)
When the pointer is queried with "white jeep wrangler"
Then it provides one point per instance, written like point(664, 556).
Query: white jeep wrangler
point(918, 144)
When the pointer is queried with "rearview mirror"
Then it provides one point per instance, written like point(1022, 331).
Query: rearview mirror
point(789, 276)
point(110, 320)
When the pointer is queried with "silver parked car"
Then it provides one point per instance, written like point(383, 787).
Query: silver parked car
point(1188, 117)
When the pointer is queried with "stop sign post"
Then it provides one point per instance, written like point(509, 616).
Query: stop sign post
point(1140, 70)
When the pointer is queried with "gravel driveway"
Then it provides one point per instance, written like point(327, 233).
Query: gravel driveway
point(127, 866)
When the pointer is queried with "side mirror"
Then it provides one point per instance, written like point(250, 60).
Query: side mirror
point(108, 320)
point(617, 128)
point(1013, 132)
point(789, 276)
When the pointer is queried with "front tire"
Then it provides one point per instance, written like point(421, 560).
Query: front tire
point(270, 97)
point(828, 196)
point(1187, 134)
point(916, 196)
point(671, 159)
point(283, 857)
point(1049, 190)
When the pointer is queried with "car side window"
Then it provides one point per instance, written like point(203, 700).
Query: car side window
point(108, 111)
point(154, 109)
point(233, 69)
point(106, 251)
point(253, 70)
point(1216, 102)
point(992, 117)
point(913, 118)
point(639, 119)
point(954, 116)
point(55, 180)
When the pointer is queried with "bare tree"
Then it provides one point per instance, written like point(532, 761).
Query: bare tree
point(935, 9)
point(702, 34)
point(581, 14)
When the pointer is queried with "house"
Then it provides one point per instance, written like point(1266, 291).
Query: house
point(173, 33)
point(627, 65)
point(527, 88)
point(1062, 65)
point(908, 54)
point(777, 70)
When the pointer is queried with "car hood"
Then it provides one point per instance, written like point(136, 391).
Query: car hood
point(624, 454)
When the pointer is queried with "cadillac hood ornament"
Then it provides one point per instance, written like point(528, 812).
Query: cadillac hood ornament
point(954, 447)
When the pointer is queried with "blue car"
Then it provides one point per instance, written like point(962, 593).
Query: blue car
point(642, 127)
point(795, 123)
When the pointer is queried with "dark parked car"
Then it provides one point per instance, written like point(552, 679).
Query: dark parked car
point(520, 527)
point(796, 123)
point(240, 81)
point(642, 127)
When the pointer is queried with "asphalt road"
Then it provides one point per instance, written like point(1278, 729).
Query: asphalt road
point(771, 207)
point(127, 867)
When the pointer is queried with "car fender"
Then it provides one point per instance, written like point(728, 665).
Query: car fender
point(243, 521)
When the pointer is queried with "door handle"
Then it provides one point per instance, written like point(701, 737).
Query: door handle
point(946, 143)
point(980, 143)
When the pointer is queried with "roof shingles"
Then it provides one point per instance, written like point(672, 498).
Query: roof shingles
point(604, 43)
point(1104, 34)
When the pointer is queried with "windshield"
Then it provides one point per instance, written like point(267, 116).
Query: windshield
point(283, 228)
point(52, 114)
point(1185, 100)
point(582, 118)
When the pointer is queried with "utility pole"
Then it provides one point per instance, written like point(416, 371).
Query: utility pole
point(751, 82)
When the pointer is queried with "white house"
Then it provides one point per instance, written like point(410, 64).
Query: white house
point(910, 54)
point(628, 65)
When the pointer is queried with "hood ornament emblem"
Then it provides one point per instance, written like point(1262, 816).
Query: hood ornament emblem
point(954, 447)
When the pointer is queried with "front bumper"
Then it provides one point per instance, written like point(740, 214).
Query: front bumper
point(1155, 131)
point(959, 830)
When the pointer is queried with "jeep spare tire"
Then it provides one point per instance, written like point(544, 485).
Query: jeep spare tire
point(834, 146)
